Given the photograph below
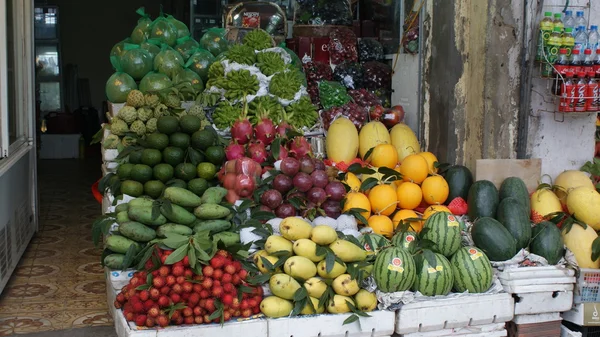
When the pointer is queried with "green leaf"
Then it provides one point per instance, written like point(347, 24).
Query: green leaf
point(178, 254)
point(329, 262)
point(246, 203)
point(320, 251)
point(327, 295)
point(103, 183)
point(430, 257)
point(268, 265)
point(166, 208)
point(105, 253)
point(194, 156)
point(596, 249)
point(129, 256)
point(174, 240)
point(202, 255)
point(258, 279)
point(296, 202)
point(263, 215)
point(143, 287)
point(351, 319)
point(368, 154)
point(97, 138)
point(275, 148)
point(388, 173)
point(147, 255)
point(300, 294)
point(368, 184)
point(155, 210)
point(192, 257)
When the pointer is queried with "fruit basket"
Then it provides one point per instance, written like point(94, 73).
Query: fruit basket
point(587, 287)
point(246, 16)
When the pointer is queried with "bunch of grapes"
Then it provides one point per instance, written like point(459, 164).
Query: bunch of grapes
point(316, 72)
point(364, 98)
point(357, 114)
point(377, 75)
point(342, 46)
point(350, 74)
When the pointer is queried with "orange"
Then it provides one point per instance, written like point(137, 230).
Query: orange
point(435, 190)
point(383, 199)
point(382, 225)
point(399, 181)
point(352, 180)
point(434, 209)
point(409, 195)
point(358, 200)
point(404, 214)
point(414, 168)
point(384, 155)
point(431, 160)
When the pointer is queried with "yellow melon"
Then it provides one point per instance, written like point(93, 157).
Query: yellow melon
point(544, 202)
point(584, 203)
point(405, 141)
point(579, 241)
point(569, 180)
point(371, 135)
point(341, 143)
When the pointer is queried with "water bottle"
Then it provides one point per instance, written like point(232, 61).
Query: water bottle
point(546, 26)
point(569, 20)
point(581, 39)
point(593, 38)
point(580, 20)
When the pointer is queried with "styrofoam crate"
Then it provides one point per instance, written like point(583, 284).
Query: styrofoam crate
point(487, 330)
point(528, 273)
point(543, 302)
point(118, 278)
point(110, 167)
point(452, 313)
point(381, 323)
point(537, 318)
point(565, 332)
point(536, 279)
point(522, 289)
point(109, 155)
point(111, 296)
point(246, 328)
point(577, 314)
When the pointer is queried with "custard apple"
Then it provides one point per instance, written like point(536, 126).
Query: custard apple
point(197, 111)
point(161, 110)
point(172, 101)
point(128, 114)
point(152, 100)
point(144, 114)
point(139, 128)
point(118, 127)
point(151, 125)
point(135, 98)
point(204, 123)
point(128, 141)
point(110, 142)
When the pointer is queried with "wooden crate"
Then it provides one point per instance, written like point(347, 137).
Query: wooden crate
point(544, 329)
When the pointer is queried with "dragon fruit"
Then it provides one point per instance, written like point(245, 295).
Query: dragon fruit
point(241, 130)
point(234, 151)
point(264, 131)
point(258, 152)
point(299, 147)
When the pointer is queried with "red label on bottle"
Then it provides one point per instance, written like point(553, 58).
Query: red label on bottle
point(580, 94)
point(566, 100)
point(588, 69)
point(592, 94)
point(597, 70)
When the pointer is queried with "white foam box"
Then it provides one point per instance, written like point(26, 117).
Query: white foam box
point(113, 108)
point(543, 302)
point(452, 313)
point(118, 278)
point(488, 330)
point(531, 279)
point(566, 332)
point(577, 315)
point(110, 167)
point(111, 296)
point(537, 318)
point(381, 323)
point(246, 328)
point(109, 155)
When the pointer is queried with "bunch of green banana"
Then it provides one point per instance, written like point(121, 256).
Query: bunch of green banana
point(286, 84)
point(265, 105)
point(219, 82)
point(240, 83)
point(302, 113)
point(216, 70)
point(208, 99)
point(225, 115)
point(270, 63)
point(258, 39)
point(241, 54)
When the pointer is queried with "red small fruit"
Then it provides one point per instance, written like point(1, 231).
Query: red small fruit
point(162, 320)
point(230, 269)
point(226, 316)
point(134, 282)
point(229, 288)
point(235, 304)
point(207, 283)
point(178, 270)
point(158, 282)
point(149, 265)
point(189, 274)
point(154, 293)
point(170, 280)
point(185, 296)
point(217, 291)
point(129, 316)
point(226, 278)
point(180, 279)
point(186, 261)
point(237, 313)
point(197, 288)
point(130, 293)
point(210, 305)
point(197, 311)
point(207, 271)
point(246, 313)
point(176, 315)
point(227, 299)
point(188, 287)
point(138, 307)
point(194, 277)
point(244, 305)
point(252, 303)
point(163, 259)
point(153, 312)
point(237, 265)
point(193, 299)
point(256, 310)
point(140, 320)
point(216, 283)
point(148, 304)
point(175, 298)
point(188, 320)
point(134, 299)
point(458, 206)
point(223, 253)
point(236, 280)
point(217, 262)
point(142, 275)
point(177, 288)
point(218, 273)
point(258, 291)
point(121, 298)
point(202, 303)
point(165, 290)
point(206, 319)
point(243, 273)
point(204, 294)
point(144, 295)
point(167, 252)
point(163, 301)
point(150, 322)
point(188, 312)
point(164, 271)
point(198, 319)
point(117, 304)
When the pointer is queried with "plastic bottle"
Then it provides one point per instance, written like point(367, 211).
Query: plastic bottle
point(593, 38)
point(569, 20)
point(546, 26)
point(568, 92)
point(588, 61)
point(593, 100)
point(581, 39)
point(551, 52)
point(579, 101)
point(597, 63)
point(580, 19)
point(558, 21)
point(561, 67)
point(568, 40)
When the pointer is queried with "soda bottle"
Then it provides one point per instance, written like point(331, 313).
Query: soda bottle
point(593, 38)
point(581, 39)
point(561, 67)
point(551, 52)
point(597, 63)
point(580, 20)
point(569, 20)
point(576, 61)
point(568, 40)
point(579, 100)
point(588, 61)
point(558, 21)
point(546, 26)
point(568, 92)
point(592, 102)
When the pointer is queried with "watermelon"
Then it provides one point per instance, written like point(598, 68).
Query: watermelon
point(373, 242)
point(433, 281)
point(472, 270)
point(515, 187)
point(459, 179)
point(547, 242)
point(443, 229)
point(483, 200)
point(494, 239)
point(512, 215)
point(394, 270)
point(404, 239)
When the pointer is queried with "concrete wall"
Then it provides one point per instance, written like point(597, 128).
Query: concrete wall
point(563, 141)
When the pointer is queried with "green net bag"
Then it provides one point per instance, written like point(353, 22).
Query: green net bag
point(119, 48)
point(154, 82)
point(163, 30)
point(136, 61)
point(199, 63)
point(141, 32)
point(168, 61)
point(214, 41)
point(186, 46)
point(152, 46)
point(182, 29)
point(188, 76)
point(119, 84)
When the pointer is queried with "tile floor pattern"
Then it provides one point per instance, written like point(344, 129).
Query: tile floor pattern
point(59, 283)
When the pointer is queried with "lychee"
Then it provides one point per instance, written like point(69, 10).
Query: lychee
point(226, 278)
point(217, 291)
point(217, 262)
point(208, 271)
point(188, 320)
point(150, 322)
point(177, 288)
point(243, 273)
point(117, 304)
point(178, 270)
point(158, 282)
point(197, 311)
point(246, 313)
point(189, 273)
point(217, 274)
point(207, 283)
point(165, 290)
point(148, 304)
point(163, 301)
point(138, 307)
point(186, 261)
point(188, 287)
point(236, 280)
point(230, 269)
point(170, 280)
point(153, 312)
point(180, 279)
point(235, 304)
point(162, 320)
point(188, 312)
point(154, 293)
point(198, 319)
point(175, 298)
point(204, 294)
point(140, 320)
point(227, 299)
point(121, 298)
point(229, 288)
point(194, 299)
point(144, 295)
point(210, 305)
point(226, 316)
point(164, 271)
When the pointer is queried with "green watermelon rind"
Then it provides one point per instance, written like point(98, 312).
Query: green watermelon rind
point(483, 200)
point(493, 239)
point(473, 275)
point(515, 187)
point(512, 215)
point(386, 270)
point(547, 242)
point(378, 240)
point(459, 179)
point(444, 232)
point(438, 282)
point(399, 239)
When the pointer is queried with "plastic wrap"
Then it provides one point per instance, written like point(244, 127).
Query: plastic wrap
point(350, 74)
point(168, 61)
point(316, 72)
point(152, 47)
point(319, 12)
point(332, 94)
point(154, 82)
point(199, 62)
point(163, 30)
point(355, 113)
point(369, 50)
point(240, 177)
point(296, 62)
point(186, 46)
point(141, 32)
point(215, 41)
point(189, 76)
point(342, 46)
point(119, 84)
point(364, 98)
point(136, 62)
point(377, 75)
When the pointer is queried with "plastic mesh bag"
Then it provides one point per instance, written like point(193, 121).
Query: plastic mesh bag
point(141, 32)
point(152, 47)
point(182, 29)
point(319, 12)
point(350, 74)
point(342, 46)
point(163, 30)
point(119, 84)
point(199, 62)
point(332, 94)
point(296, 62)
point(369, 50)
point(119, 48)
point(189, 76)
point(214, 40)
point(186, 46)
point(168, 61)
point(377, 75)
point(154, 82)
point(136, 61)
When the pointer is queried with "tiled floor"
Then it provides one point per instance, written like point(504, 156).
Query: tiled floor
point(59, 283)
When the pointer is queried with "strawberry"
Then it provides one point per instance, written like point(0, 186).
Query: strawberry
point(188, 320)
point(162, 320)
point(150, 322)
point(164, 271)
point(230, 269)
point(117, 304)
point(458, 206)
point(218, 273)
point(208, 271)
point(170, 280)
point(175, 298)
point(158, 282)
point(140, 320)
point(163, 301)
point(144, 295)
point(536, 217)
point(207, 283)
point(177, 288)
point(227, 299)
point(178, 270)
point(198, 319)
point(226, 278)
point(153, 312)
point(180, 279)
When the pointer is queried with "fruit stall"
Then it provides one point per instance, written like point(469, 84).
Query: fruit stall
point(250, 190)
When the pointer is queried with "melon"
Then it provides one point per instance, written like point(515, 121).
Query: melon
point(569, 180)
point(544, 202)
point(584, 203)
point(371, 135)
point(404, 140)
point(472, 270)
point(394, 270)
point(579, 241)
point(373, 242)
point(404, 239)
point(341, 143)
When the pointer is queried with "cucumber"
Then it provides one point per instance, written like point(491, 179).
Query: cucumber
point(178, 215)
point(121, 208)
point(483, 200)
point(137, 231)
point(120, 244)
point(122, 217)
point(512, 215)
point(114, 261)
point(141, 202)
point(182, 197)
point(144, 215)
point(214, 195)
point(214, 226)
point(516, 188)
point(172, 228)
point(228, 238)
point(211, 212)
